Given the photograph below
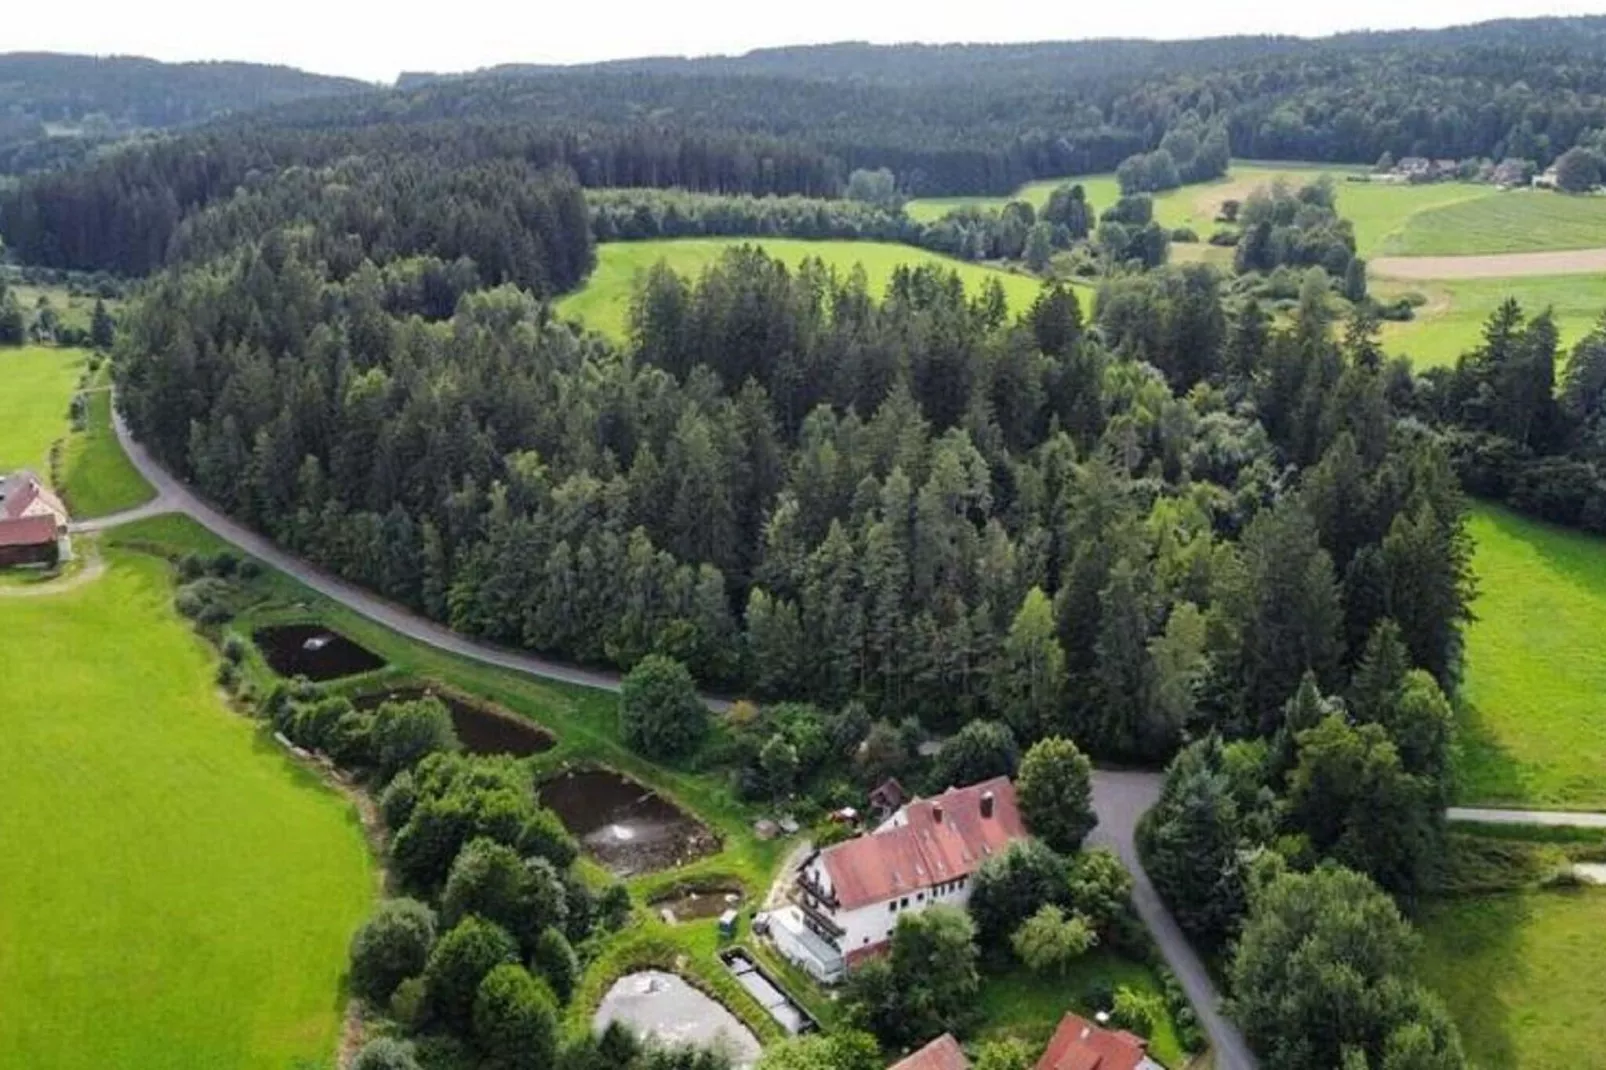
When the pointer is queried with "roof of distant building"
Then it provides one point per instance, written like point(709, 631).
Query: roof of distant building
point(941, 1054)
point(940, 839)
point(1080, 1045)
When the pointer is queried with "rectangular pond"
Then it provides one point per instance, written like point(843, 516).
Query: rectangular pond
point(313, 651)
point(625, 825)
point(483, 729)
point(762, 987)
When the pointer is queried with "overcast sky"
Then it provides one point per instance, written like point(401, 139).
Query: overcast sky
point(374, 39)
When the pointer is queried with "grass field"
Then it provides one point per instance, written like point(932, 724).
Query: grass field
point(75, 310)
point(1523, 974)
point(603, 304)
point(1451, 323)
point(1518, 221)
point(36, 388)
point(1026, 1007)
point(1533, 721)
point(177, 894)
point(97, 478)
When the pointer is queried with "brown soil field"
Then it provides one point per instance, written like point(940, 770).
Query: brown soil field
point(1503, 266)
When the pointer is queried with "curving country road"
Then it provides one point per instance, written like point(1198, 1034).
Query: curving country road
point(1119, 798)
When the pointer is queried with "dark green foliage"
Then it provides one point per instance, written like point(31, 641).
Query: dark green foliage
point(1322, 974)
point(515, 1021)
point(392, 946)
point(660, 713)
point(461, 959)
point(554, 960)
point(1055, 791)
point(1099, 888)
point(403, 733)
point(1299, 228)
point(926, 986)
point(1010, 886)
point(979, 751)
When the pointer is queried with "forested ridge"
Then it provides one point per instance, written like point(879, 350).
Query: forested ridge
point(945, 120)
point(95, 98)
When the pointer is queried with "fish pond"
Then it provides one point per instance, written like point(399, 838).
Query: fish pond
point(313, 651)
point(625, 825)
point(664, 1007)
point(483, 729)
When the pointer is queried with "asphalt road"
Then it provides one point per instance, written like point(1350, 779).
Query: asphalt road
point(1119, 798)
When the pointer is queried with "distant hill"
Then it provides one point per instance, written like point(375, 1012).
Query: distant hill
point(53, 106)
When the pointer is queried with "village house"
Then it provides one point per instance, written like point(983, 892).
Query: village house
point(941, 1054)
point(848, 898)
point(33, 522)
point(1081, 1045)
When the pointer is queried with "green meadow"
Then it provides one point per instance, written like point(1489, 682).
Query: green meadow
point(176, 893)
point(36, 388)
point(1524, 975)
point(1517, 221)
point(1532, 720)
point(603, 303)
point(1451, 323)
point(97, 477)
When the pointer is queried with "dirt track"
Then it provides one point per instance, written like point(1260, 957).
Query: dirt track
point(1501, 266)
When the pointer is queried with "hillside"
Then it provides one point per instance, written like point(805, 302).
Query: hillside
point(53, 106)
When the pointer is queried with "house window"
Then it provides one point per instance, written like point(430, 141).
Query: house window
point(903, 903)
point(892, 907)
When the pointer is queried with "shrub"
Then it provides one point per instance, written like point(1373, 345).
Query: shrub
point(660, 713)
point(386, 1053)
point(1185, 235)
point(234, 648)
point(1011, 886)
point(404, 732)
point(458, 963)
point(392, 946)
point(554, 959)
point(1049, 941)
point(1055, 790)
point(396, 804)
point(515, 1021)
point(1137, 1011)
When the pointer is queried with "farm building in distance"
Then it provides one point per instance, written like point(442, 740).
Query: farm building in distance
point(1078, 1044)
point(33, 522)
point(848, 898)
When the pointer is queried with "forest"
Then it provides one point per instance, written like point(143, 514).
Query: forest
point(944, 121)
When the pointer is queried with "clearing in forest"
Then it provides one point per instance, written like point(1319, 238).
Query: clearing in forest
point(1532, 724)
point(603, 303)
point(188, 892)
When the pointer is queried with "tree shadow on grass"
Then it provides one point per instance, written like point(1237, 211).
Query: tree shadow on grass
point(1485, 771)
point(1472, 953)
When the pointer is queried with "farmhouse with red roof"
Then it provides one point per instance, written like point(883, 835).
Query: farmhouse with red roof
point(33, 521)
point(848, 898)
point(941, 1054)
point(1078, 1044)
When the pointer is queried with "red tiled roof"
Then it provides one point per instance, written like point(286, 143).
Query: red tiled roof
point(941, 1054)
point(29, 531)
point(859, 955)
point(1080, 1045)
point(21, 490)
point(943, 839)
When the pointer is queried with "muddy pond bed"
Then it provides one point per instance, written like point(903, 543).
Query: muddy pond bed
point(696, 904)
point(483, 729)
point(665, 1007)
point(313, 651)
point(625, 825)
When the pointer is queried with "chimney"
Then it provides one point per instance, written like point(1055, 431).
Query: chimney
point(936, 812)
point(987, 804)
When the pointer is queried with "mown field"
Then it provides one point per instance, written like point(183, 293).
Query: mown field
point(1524, 974)
point(603, 304)
point(36, 388)
point(176, 893)
point(1518, 221)
point(1451, 323)
point(1533, 704)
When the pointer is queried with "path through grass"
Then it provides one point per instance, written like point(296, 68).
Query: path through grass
point(603, 304)
point(176, 893)
point(1533, 717)
point(1523, 974)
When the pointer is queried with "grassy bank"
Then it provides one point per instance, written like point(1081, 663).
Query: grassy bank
point(188, 892)
point(1532, 723)
point(97, 477)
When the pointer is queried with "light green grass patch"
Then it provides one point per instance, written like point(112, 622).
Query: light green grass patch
point(1451, 323)
point(1515, 221)
point(1381, 211)
point(98, 479)
point(36, 389)
point(1532, 719)
point(603, 304)
point(1024, 1006)
point(1524, 975)
point(176, 893)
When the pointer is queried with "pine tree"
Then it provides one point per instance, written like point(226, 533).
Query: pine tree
point(1029, 679)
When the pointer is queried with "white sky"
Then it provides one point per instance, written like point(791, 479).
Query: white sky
point(374, 39)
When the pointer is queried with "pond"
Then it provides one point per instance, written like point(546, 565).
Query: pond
point(625, 825)
point(762, 987)
point(483, 729)
point(313, 651)
point(663, 1006)
point(688, 904)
